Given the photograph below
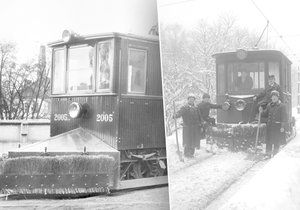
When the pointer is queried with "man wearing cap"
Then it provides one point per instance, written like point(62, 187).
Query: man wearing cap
point(265, 96)
point(191, 126)
point(204, 108)
point(276, 123)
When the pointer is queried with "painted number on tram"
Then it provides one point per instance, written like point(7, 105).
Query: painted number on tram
point(61, 117)
point(104, 117)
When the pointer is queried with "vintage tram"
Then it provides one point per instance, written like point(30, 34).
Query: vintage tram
point(254, 67)
point(106, 106)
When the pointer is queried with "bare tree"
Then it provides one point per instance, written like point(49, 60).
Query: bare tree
point(24, 88)
point(7, 50)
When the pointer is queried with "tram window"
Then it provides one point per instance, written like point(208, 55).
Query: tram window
point(244, 77)
point(274, 70)
point(221, 79)
point(137, 64)
point(105, 66)
point(59, 66)
point(80, 69)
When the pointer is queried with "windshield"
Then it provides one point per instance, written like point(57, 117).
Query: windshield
point(83, 68)
point(246, 77)
point(80, 71)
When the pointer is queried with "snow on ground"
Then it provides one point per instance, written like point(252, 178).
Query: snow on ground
point(147, 199)
point(276, 186)
point(193, 184)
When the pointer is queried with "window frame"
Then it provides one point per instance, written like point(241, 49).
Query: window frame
point(64, 48)
point(253, 90)
point(110, 89)
point(146, 70)
point(68, 71)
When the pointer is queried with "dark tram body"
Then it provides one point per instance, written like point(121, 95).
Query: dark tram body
point(241, 75)
point(113, 84)
point(258, 64)
point(107, 121)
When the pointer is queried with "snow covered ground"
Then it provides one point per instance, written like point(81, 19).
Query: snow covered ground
point(193, 184)
point(207, 180)
point(278, 182)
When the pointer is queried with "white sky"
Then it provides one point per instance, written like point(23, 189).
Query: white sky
point(30, 23)
point(284, 15)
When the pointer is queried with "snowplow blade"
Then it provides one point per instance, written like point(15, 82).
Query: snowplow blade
point(61, 169)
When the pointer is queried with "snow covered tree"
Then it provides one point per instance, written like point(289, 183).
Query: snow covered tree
point(187, 62)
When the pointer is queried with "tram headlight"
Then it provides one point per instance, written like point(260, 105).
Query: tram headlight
point(66, 35)
point(240, 105)
point(75, 110)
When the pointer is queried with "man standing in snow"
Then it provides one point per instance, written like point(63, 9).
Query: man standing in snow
point(204, 109)
point(191, 126)
point(277, 118)
point(265, 96)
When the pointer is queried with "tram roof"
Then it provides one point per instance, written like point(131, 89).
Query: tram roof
point(147, 38)
point(252, 52)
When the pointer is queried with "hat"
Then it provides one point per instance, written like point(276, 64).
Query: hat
point(205, 95)
point(191, 95)
point(275, 93)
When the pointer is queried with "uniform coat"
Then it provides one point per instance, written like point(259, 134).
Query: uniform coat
point(265, 96)
point(204, 109)
point(276, 119)
point(191, 126)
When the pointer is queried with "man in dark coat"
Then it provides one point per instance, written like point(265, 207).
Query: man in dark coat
point(204, 108)
point(244, 82)
point(277, 118)
point(191, 126)
point(265, 96)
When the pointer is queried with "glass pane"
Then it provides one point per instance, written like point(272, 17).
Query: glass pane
point(274, 70)
point(59, 71)
point(137, 71)
point(245, 77)
point(221, 79)
point(105, 66)
point(81, 69)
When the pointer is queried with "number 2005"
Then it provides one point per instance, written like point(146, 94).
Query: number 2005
point(104, 118)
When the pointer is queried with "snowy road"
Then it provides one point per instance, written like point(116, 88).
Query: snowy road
point(155, 198)
point(234, 188)
point(196, 183)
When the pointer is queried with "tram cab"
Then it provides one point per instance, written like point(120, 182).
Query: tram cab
point(243, 74)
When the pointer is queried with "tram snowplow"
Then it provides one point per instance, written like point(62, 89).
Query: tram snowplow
point(237, 126)
point(74, 163)
point(107, 125)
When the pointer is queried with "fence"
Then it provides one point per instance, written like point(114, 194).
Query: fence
point(14, 133)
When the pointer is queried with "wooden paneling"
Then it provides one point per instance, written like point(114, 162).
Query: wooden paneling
point(98, 105)
point(141, 123)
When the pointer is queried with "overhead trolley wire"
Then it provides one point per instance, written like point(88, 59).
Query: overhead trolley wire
point(276, 31)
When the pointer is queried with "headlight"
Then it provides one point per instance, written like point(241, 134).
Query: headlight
point(75, 110)
point(240, 105)
point(66, 35)
point(226, 105)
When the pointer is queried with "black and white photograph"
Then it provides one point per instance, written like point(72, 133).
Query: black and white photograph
point(81, 106)
point(231, 87)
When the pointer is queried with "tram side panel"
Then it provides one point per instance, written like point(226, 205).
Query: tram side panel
point(141, 123)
